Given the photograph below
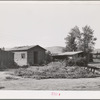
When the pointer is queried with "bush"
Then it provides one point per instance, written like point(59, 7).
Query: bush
point(71, 62)
point(24, 72)
point(81, 61)
point(78, 62)
point(55, 70)
point(48, 57)
point(24, 66)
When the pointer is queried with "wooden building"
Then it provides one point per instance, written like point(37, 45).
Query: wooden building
point(68, 55)
point(6, 59)
point(28, 55)
point(96, 54)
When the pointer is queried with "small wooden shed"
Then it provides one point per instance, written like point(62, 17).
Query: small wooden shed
point(28, 55)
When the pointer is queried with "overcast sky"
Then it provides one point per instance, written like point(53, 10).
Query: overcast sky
point(45, 23)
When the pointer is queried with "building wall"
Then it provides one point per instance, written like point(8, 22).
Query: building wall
point(18, 58)
point(96, 56)
point(66, 57)
point(75, 56)
point(6, 59)
point(41, 55)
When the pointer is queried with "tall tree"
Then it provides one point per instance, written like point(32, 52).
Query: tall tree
point(88, 41)
point(83, 41)
point(77, 40)
point(72, 39)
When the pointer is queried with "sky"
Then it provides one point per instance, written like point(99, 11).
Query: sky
point(45, 23)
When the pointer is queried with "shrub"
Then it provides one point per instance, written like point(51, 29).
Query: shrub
point(55, 70)
point(24, 72)
point(81, 61)
point(78, 62)
point(48, 57)
point(24, 66)
point(71, 62)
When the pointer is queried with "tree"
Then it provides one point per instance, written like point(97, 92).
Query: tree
point(83, 41)
point(72, 39)
point(88, 41)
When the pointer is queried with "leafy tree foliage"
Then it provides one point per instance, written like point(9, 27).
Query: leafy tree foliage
point(72, 39)
point(77, 40)
point(88, 40)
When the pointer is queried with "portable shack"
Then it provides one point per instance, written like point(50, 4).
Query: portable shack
point(28, 55)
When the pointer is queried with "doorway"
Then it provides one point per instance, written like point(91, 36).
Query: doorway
point(35, 57)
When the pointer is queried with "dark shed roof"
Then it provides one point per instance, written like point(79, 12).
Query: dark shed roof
point(24, 48)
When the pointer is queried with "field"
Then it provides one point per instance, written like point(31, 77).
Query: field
point(10, 81)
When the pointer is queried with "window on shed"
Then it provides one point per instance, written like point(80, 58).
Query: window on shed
point(23, 55)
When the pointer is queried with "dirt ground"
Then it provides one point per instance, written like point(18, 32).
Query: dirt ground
point(10, 82)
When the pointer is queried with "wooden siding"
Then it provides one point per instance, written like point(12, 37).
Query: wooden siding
point(6, 58)
point(41, 55)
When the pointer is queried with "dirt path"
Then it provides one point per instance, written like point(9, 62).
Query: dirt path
point(11, 82)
